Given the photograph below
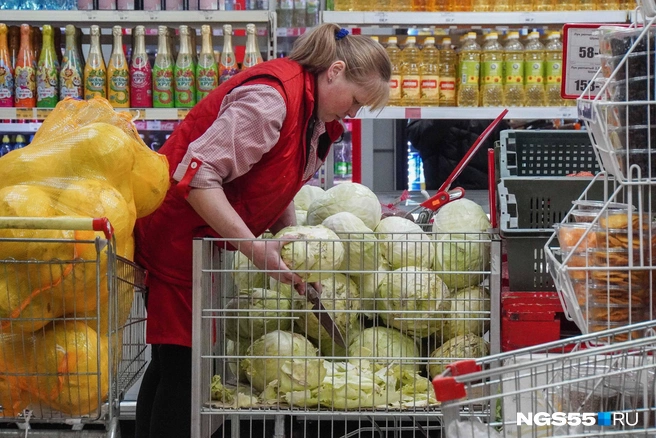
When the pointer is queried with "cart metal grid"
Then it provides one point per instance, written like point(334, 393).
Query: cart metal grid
point(224, 330)
point(63, 363)
point(602, 387)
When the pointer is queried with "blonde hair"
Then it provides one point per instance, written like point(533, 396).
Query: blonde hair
point(317, 49)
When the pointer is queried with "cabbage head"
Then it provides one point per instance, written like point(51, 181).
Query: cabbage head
point(359, 242)
point(307, 195)
point(314, 248)
point(232, 350)
point(470, 312)
point(337, 293)
point(467, 346)
point(408, 290)
point(352, 197)
point(461, 216)
point(245, 274)
point(301, 217)
point(267, 310)
point(385, 347)
point(288, 358)
point(367, 285)
point(403, 243)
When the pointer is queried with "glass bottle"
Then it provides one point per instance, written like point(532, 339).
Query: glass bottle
point(141, 93)
point(118, 80)
point(37, 43)
point(163, 72)
point(207, 71)
point(95, 71)
point(25, 74)
point(47, 72)
point(72, 72)
point(6, 71)
point(13, 41)
point(252, 55)
point(228, 64)
point(184, 89)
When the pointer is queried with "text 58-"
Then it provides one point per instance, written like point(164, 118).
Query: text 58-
point(587, 52)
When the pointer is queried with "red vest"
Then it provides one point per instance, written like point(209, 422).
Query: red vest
point(164, 238)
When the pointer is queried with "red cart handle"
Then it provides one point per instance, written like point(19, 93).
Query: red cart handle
point(59, 223)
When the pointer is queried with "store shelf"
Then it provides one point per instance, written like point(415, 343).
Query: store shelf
point(137, 113)
point(19, 128)
point(473, 18)
point(524, 113)
point(141, 17)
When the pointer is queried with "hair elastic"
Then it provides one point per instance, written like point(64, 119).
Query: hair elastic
point(341, 34)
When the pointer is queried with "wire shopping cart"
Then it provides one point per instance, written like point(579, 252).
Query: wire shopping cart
point(602, 387)
point(72, 327)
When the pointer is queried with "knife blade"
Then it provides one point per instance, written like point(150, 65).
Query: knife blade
point(322, 315)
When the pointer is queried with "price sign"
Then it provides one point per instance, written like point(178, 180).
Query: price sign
point(448, 17)
point(381, 17)
point(182, 113)
point(25, 113)
point(42, 113)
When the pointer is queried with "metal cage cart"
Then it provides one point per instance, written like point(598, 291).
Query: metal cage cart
point(72, 327)
point(263, 365)
point(603, 387)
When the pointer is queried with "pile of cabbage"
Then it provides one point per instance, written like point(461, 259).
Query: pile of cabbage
point(407, 302)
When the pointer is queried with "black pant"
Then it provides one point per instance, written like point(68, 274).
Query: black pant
point(164, 401)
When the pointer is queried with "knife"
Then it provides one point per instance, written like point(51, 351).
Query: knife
point(322, 315)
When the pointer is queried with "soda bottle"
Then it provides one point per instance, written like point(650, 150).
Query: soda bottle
point(141, 93)
point(118, 75)
point(24, 73)
point(207, 71)
point(163, 71)
point(534, 71)
point(447, 74)
point(492, 77)
point(411, 83)
point(228, 64)
point(13, 41)
point(20, 142)
point(298, 19)
point(6, 71)
point(47, 76)
point(311, 13)
point(394, 54)
point(72, 72)
point(554, 70)
point(5, 146)
point(430, 60)
point(184, 88)
point(95, 71)
point(252, 56)
point(470, 66)
point(285, 12)
point(513, 59)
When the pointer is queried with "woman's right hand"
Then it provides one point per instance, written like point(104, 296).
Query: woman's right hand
point(265, 255)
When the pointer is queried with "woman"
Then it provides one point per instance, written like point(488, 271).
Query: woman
point(236, 162)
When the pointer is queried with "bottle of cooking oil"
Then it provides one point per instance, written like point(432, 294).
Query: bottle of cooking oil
point(394, 54)
point(481, 5)
point(410, 85)
point(503, 5)
point(534, 71)
point(430, 60)
point(513, 61)
point(492, 75)
point(460, 5)
point(554, 69)
point(608, 5)
point(447, 74)
point(544, 5)
point(470, 66)
point(523, 5)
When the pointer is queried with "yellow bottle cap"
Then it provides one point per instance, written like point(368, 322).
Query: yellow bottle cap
point(391, 40)
point(429, 40)
point(410, 40)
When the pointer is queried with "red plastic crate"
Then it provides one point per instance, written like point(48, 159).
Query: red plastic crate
point(529, 318)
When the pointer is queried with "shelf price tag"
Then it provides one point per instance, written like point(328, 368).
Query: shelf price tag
point(25, 113)
point(448, 17)
point(381, 17)
point(182, 113)
point(412, 113)
point(527, 18)
point(42, 113)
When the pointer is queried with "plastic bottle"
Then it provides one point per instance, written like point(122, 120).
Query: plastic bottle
point(470, 67)
point(513, 59)
point(311, 13)
point(141, 74)
point(25, 73)
point(383, 5)
point(118, 76)
point(163, 72)
point(19, 143)
point(95, 71)
point(503, 5)
point(447, 74)
point(285, 12)
point(523, 5)
point(6, 71)
point(207, 70)
point(72, 71)
point(411, 83)
point(554, 70)
point(5, 146)
point(418, 5)
point(437, 5)
point(394, 54)
point(252, 55)
point(298, 19)
point(342, 157)
point(534, 71)
point(430, 61)
point(586, 5)
point(492, 71)
point(543, 5)
point(608, 5)
point(460, 5)
point(47, 72)
point(228, 64)
point(482, 5)
point(184, 88)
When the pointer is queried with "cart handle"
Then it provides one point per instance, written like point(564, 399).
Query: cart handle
point(59, 223)
point(446, 387)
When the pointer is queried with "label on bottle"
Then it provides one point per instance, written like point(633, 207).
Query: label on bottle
point(341, 168)
point(6, 86)
point(227, 67)
point(535, 72)
point(554, 72)
point(95, 83)
point(207, 78)
point(46, 86)
point(184, 87)
point(447, 90)
point(469, 72)
point(141, 95)
point(395, 87)
point(70, 83)
point(311, 7)
point(429, 87)
point(410, 87)
point(287, 4)
point(25, 87)
point(162, 87)
point(251, 59)
point(119, 91)
point(492, 72)
point(514, 71)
